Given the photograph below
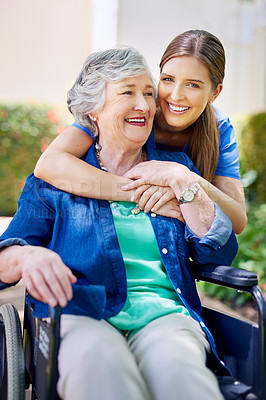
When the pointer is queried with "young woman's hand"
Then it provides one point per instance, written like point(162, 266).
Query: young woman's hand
point(161, 173)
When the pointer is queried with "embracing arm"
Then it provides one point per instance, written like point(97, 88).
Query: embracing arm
point(228, 193)
point(60, 165)
point(198, 214)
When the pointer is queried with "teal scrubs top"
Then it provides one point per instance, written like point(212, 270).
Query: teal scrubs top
point(150, 293)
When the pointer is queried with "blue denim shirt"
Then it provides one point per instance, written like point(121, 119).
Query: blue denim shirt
point(82, 232)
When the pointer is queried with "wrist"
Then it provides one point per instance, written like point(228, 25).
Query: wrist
point(181, 184)
point(189, 194)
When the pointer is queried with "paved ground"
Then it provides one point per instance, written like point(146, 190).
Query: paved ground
point(4, 222)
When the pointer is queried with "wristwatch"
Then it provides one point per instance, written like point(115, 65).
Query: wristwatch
point(188, 194)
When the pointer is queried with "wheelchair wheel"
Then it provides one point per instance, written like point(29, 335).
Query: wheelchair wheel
point(13, 366)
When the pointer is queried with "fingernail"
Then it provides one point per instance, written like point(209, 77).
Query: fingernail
point(132, 198)
point(63, 303)
point(52, 303)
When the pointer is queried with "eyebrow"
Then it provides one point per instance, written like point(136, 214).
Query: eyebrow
point(190, 80)
point(132, 85)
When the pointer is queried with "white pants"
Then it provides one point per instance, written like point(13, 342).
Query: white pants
point(163, 361)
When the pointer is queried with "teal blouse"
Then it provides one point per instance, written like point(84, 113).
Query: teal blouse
point(150, 293)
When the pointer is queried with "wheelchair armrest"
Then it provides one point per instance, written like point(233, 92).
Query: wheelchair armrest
point(236, 278)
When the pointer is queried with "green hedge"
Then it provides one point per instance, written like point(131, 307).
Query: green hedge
point(252, 145)
point(252, 241)
point(25, 131)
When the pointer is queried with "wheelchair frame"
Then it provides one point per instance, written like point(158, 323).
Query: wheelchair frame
point(35, 361)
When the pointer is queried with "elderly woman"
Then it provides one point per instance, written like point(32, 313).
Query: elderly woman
point(131, 325)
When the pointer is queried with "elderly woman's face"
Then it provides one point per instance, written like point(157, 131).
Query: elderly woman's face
point(129, 109)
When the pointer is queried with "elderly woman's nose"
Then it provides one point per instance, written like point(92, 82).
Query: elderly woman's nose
point(141, 104)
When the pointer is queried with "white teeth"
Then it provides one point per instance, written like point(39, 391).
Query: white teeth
point(176, 108)
point(142, 120)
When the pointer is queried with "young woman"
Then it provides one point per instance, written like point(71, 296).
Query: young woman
point(191, 77)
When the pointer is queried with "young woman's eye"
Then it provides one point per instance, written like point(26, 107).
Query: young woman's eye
point(193, 85)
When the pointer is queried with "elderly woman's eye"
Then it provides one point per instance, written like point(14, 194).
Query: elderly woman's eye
point(167, 79)
point(148, 94)
point(127, 92)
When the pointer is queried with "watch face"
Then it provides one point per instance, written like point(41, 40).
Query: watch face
point(188, 195)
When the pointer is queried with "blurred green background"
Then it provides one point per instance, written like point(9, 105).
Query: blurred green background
point(25, 132)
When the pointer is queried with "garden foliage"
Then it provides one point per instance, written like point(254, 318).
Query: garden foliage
point(252, 145)
point(25, 132)
point(252, 241)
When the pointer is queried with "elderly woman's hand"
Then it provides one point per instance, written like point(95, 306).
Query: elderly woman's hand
point(152, 181)
point(152, 197)
point(45, 275)
point(171, 209)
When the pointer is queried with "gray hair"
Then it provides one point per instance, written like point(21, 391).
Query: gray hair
point(88, 92)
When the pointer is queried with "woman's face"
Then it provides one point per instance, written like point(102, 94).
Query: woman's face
point(184, 90)
point(128, 112)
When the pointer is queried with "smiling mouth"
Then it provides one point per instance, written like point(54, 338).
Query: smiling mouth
point(177, 108)
point(136, 121)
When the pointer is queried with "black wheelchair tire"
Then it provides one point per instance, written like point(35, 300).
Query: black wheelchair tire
point(15, 364)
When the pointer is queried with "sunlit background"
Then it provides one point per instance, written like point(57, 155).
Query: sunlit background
point(44, 43)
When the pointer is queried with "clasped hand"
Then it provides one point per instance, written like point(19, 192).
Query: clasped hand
point(153, 182)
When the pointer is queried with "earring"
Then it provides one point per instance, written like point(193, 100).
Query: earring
point(94, 118)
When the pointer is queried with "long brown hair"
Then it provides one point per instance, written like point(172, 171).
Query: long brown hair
point(206, 48)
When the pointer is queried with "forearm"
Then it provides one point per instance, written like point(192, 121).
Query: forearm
point(198, 214)
point(76, 176)
point(232, 205)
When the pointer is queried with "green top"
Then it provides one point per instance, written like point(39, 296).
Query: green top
point(150, 293)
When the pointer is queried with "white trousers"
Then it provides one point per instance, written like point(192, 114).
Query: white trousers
point(163, 361)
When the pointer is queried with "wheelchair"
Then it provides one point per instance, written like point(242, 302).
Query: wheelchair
point(31, 358)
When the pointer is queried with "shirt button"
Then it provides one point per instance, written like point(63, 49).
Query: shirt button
point(113, 205)
point(202, 324)
point(153, 215)
point(178, 290)
point(164, 251)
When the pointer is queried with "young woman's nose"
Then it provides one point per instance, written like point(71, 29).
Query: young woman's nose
point(177, 92)
point(141, 104)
